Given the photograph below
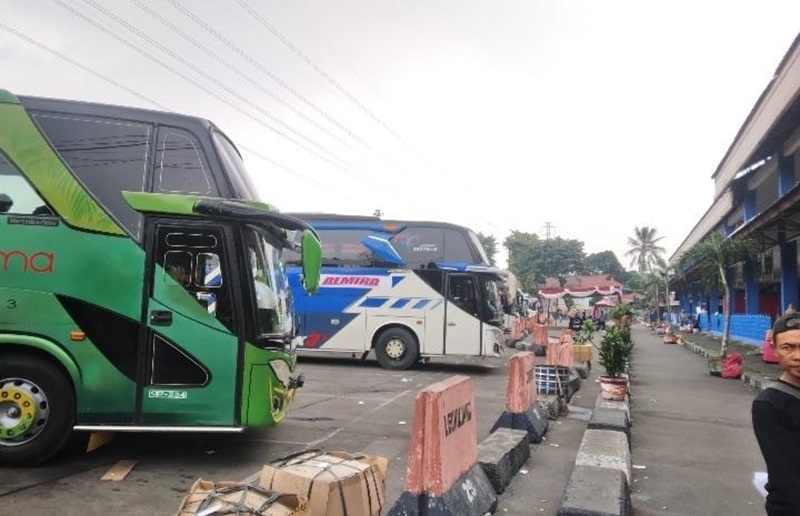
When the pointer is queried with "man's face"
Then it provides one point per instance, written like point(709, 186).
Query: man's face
point(787, 348)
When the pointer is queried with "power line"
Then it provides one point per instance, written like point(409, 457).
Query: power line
point(103, 77)
point(344, 91)
point(106, 78)
point(244, 55)
point(200, 72)
point(283, 167)
point(347, 65)
point(219, 59)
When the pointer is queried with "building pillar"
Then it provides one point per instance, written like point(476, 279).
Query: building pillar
point(788, 274)
point(749, 206)
point(752, 291)
point(785, 174)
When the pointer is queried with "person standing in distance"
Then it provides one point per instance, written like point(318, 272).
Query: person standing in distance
point(776, 421)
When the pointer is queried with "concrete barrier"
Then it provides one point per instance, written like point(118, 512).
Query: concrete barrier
point(552, 406)
point(605, 449)
point(624, 405)
point(521, 410)
point(502, 454)
point(610, 419)
point(443, 476)
point(593, 491)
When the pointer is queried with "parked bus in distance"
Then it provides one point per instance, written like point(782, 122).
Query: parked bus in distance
point(386, 288)
point(133, 295)
point(419, 243)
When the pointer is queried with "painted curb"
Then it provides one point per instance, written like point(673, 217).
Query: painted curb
point(593, 491)
point(502, 454)
point(624, 406)
point(605, 449)
point(551, 405)
point(471, 495)
point(754, 380)
point(611, 419)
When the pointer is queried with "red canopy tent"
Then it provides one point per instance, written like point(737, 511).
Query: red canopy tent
point(606, 291)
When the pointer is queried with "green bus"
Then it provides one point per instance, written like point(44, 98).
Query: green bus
point(141, 282)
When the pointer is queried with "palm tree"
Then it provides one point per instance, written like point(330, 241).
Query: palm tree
point(711, 257)
point(644, 248)
point(663, 271)
point(651, 283)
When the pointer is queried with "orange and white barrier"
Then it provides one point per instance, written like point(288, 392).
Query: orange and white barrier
point(516, 330)
point(443, 476)
point(539, 335)
point(530, 324)
point(559, 353)
point(522, 411)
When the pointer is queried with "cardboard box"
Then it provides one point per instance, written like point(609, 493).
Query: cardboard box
point(333, 483)
point(208, 498)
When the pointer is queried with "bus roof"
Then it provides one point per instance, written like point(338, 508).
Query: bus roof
point(77, 107)
point(326, 217)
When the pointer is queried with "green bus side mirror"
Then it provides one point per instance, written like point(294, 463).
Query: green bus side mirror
point(311, 255)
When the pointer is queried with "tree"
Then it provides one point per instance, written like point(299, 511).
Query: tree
point(651, 284)
point(711, 257)
point(663, 272)
point(644, 248)
point(533, 260)
point(520, 247)
point(635, 280)
point(558, 257)
point(605, 262)
point(489, 243)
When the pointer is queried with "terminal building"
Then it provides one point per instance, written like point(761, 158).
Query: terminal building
point(757, 195)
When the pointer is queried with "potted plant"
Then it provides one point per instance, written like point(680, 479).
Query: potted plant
point(615, 350)
point(584, 340)
point(621, 315)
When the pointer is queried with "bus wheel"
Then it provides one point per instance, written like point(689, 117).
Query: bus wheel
point(396, 348)
point(37, 410)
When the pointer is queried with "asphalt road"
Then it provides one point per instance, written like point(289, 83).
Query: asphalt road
point(345, 405)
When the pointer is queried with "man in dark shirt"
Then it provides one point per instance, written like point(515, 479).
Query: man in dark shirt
point(776, 422)
point(575, 322)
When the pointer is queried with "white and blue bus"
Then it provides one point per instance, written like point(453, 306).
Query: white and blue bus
point(407, 290)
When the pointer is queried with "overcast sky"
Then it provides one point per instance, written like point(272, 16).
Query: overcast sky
point(497, 115)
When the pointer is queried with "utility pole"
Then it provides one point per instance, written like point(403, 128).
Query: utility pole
point(547, 227)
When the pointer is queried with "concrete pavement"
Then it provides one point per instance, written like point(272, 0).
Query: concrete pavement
point(694, 452)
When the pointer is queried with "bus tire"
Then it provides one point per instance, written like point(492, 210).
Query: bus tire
point(396, 348)
point(37, 410)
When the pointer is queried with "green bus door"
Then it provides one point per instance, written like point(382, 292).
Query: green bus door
point(190, 348)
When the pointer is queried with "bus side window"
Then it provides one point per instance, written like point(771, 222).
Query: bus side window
point(107, 156)
point(178, 268)
point(456, 247)
point(461, 291)
point(17, 196)
point(180, 167)
point(195, 262)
